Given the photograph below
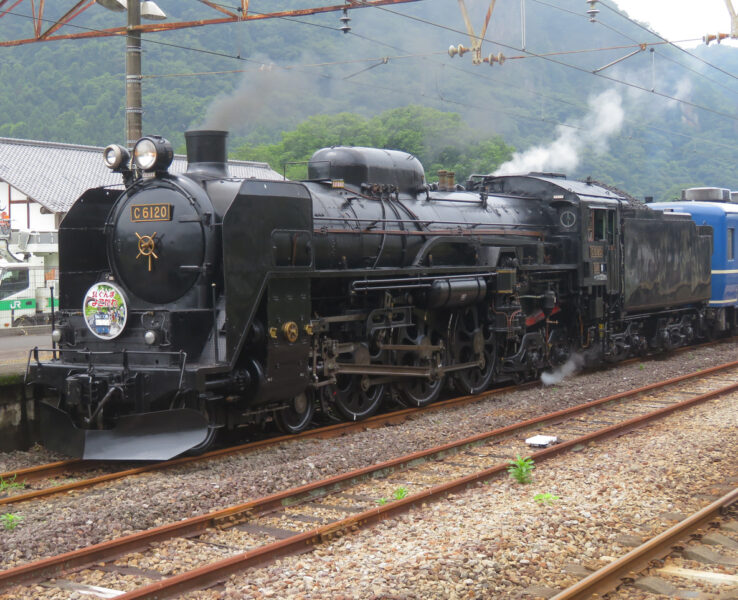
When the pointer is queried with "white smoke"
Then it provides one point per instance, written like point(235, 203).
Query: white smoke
point(590, 133)
point(570, 367)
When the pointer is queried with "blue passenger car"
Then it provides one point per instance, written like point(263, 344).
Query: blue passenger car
point(713, 207)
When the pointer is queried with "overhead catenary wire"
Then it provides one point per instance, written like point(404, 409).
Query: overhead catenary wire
point(660, 54)
point(477, 75)
point(527, 54)
point(697, 73)
point(377, 61)
point(548, 58)
point(385, 60)
point(674, 43)
point(514, 114)
point(415, 93)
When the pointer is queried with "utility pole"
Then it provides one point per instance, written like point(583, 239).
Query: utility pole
point(134, 103)
point(44, 30)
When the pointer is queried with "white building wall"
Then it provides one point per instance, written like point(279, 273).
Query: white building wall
point(4, 187)
point(39, 220)
point(24, 214)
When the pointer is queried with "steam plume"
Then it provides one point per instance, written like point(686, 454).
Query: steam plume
point(570, 367)
point(591, 132)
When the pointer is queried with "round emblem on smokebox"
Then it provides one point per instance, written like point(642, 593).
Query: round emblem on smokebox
point(105, 310)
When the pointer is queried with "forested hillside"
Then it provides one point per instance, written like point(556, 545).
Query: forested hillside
point(284, 87)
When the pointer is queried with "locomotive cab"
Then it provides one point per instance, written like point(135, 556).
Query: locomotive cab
point(601, 256)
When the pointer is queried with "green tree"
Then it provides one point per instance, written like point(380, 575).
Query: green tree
point(440, 140)
point(425, 132)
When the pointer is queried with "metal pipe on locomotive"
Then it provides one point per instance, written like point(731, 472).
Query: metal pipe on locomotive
point(196, 303)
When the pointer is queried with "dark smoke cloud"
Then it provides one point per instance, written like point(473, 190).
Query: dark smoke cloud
point(265, 96)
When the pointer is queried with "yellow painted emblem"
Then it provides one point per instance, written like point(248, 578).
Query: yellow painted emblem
point(290, 331)
point(146, 247)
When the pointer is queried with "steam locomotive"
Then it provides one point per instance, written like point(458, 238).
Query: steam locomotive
point(199, 303)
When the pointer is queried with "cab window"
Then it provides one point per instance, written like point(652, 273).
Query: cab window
point(602, 228)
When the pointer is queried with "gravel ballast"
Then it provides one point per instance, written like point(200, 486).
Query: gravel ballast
point(496, 541)
point(71, 521)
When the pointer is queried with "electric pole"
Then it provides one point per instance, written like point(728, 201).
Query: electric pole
point(134, 104)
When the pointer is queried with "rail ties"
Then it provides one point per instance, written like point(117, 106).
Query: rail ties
point(654, 567)
point(205, 549)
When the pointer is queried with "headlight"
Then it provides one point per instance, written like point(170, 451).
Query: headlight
point(57, 335)
point(153, 153)
point(115, 157)
point(150, 337)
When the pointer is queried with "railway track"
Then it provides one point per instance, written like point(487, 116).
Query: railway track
point(65, 476)
point(160, 562)
point(705, 541)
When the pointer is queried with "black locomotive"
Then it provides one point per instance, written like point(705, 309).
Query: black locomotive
point(195, 303)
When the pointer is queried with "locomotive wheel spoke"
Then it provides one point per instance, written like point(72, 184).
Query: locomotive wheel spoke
point(353, 401)
point(297, 416)
point(467, 335)
point(417, 391)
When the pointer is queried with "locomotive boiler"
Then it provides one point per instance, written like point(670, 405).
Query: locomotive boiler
point(199, 303)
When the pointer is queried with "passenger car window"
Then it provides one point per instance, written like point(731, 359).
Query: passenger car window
point(731, 243)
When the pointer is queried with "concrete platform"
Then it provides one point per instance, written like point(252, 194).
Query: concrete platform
point(18, 425)
point(14, 349)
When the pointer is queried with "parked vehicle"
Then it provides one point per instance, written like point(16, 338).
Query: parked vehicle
point(26, 292)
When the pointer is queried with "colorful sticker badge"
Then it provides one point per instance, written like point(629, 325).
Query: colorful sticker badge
point(105, 310)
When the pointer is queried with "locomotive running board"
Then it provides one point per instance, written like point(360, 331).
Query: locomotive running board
point(147, 436)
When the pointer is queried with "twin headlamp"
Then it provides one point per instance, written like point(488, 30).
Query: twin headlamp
point(150, 153)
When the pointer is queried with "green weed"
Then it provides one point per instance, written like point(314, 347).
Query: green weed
point(545, 499)
point(10, 521)
point(10, 484)
point(399, 493)
point(521, 469)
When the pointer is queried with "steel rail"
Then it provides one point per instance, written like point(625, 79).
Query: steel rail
point(56, 565)
point(336, 429)
point(333, 430)
point(41, 471)
point(617, 572)
point(216, 572)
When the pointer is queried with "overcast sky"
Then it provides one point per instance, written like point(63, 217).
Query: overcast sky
point(678, 19)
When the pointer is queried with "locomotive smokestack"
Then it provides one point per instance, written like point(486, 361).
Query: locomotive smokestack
point(206, 153)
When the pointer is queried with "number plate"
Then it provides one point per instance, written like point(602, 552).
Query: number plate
point(141, 213)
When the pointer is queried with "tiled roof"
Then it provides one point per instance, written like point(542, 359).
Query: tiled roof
point(55, 175)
